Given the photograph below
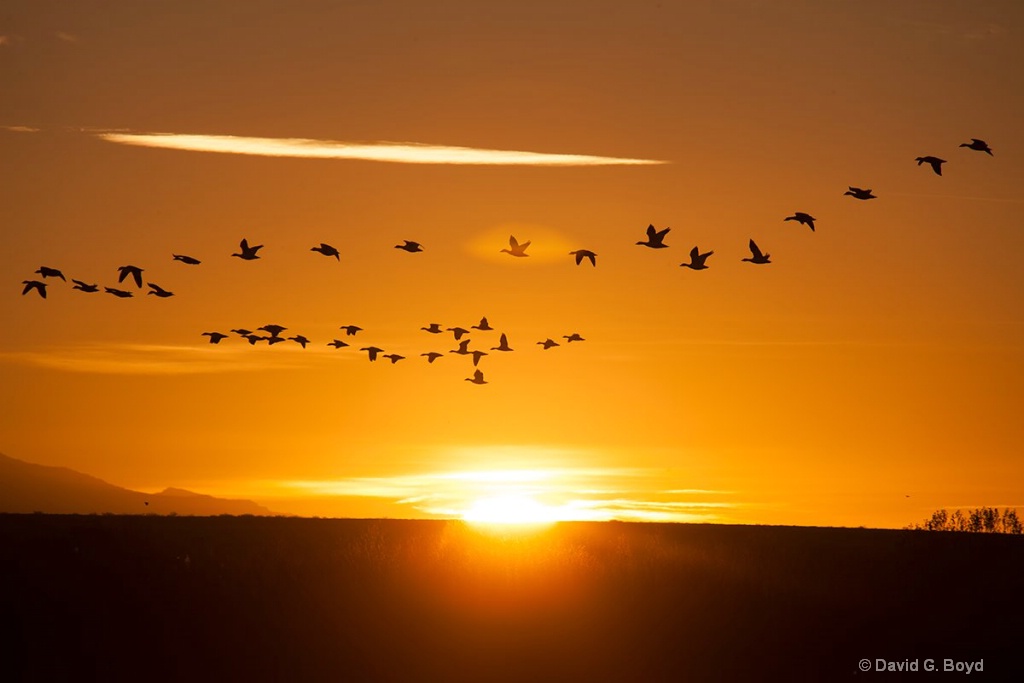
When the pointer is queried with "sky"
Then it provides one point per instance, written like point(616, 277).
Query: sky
point(869, 375)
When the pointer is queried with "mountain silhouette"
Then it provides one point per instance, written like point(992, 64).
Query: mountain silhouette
point(26, 487)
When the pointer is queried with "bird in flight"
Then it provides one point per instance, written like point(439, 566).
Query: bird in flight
point(350, 330)
point(477, 355)
point(435, 328)
point(858, 193)
point(548, 343)
point(40, 287)
point(373, 351)
point(410, 246)
point(463, 349)
point(241, 331)
point(697, 259)
point(186, 259)
point(484, 325)
point(248, 253)
point(655, 238)
point(978, 146)
point(516, 248)
point(50, 272)
point(432, 356)
point(253, 338)
point(393, 357)
point(134, 271)
point(575, 336)
point(274, 339)
point(457, 331)
point(215, 337)
point(803, 218)
point(755, 254)
point(337, 343)
point(119, 293)
point(274, 330)
point(159, 291)
point(502, 344)
point(581, 254)
point(478, 377)
point(300, 340)
point(935, 162)
point(327, 250)
point(84, 286)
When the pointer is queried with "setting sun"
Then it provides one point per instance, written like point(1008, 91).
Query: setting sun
point(510, 509)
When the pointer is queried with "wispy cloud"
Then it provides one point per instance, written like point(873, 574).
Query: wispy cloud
point(583, 494)
point(153, 359)
point(20, 129)
point(396, 152)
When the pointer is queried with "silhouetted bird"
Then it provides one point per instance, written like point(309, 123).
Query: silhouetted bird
point(350, 330)
point(409, 246)
point(159, 291)
point(241, 331)
point(484, 325)
point(502, 344)
point(274, 330)
point(300, 340)
point(337, 343)
point(40, 287)
point(186, 259)
point(248, 253)
point(120, 293)
point(575, 336)
point(435, 328)
point(327, 250)
point(84, 286)
point(274, 339)
point(978, 146)
point(432, 356)
point(215, 337)
point(134, 271)
point(581, 254)
point(516, 248)
point(801, 217)
point(858, 193)
point(655, 238)
point(756, 255)
point(373, 351)
point(697, 259)
point(463, 349)
point(393, 357)
point(477, 355)
point(50, 272)
point(457, 331)
point(478, 377)
point(936, 163)
point(548, 343)
point(253, 338)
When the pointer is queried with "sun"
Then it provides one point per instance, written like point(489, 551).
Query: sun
point(510, 509)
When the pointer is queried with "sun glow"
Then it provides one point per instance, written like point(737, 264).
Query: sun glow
point(510, 509)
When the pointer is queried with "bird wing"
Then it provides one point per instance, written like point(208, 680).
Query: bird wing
point(579, 257)
point(755, 250)
point(661, 233)
point(512, 242)
point(478, 375)
point(524, 245)
point(694, 254)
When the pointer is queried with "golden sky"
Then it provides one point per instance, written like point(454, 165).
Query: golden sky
point(870, 374)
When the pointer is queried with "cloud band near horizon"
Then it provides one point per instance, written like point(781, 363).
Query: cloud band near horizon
point(395, 152)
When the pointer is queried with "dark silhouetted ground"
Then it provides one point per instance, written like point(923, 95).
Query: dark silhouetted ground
point(287, 599)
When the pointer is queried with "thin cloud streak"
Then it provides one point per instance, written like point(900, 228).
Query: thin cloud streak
point(147, 359)
point(396, 152)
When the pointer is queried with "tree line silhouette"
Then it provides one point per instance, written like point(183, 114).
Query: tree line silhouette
point(984, 520)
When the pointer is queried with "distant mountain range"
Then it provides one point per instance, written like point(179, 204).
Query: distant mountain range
point(26, 487)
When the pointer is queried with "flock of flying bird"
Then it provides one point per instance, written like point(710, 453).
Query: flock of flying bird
point(655, 240)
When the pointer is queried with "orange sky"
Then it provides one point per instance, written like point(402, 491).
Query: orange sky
point(876, 358)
